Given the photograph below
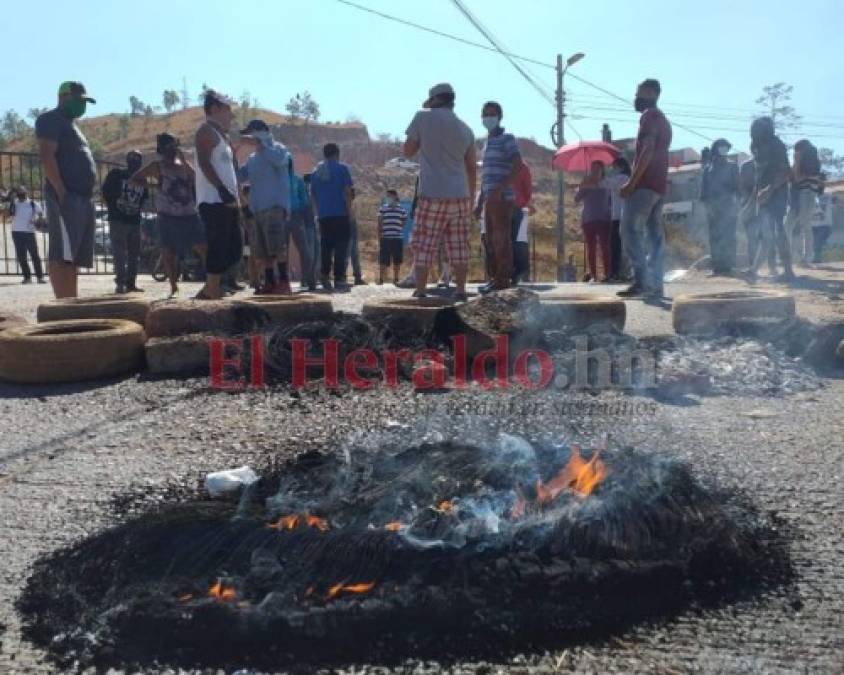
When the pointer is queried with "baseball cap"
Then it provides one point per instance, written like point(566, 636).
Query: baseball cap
point(254, 125)
point(437, 90)
point(75, 89)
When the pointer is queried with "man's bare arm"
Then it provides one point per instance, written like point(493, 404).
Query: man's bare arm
point(411, 147)
point(206, 141)
point(141, 175)
point(347, 193)
point(470, 162)
point(642, 161)
point(47, 151)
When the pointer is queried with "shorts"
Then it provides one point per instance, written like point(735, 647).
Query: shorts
point(268, 234)
point(392, 251)
point(445, 220)
point(180, 234)
point(71, 228)
point(222, 232)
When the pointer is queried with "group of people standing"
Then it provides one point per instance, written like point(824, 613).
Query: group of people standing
point(774, 201)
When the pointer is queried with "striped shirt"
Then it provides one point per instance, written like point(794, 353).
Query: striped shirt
point(500, 152)
point(392, 221)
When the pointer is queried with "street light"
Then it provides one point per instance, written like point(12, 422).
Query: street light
point(559, 140)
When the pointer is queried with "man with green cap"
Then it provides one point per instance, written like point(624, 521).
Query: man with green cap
point(71, 174)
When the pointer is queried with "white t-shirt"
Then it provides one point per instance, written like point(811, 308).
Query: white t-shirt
point(24, 218)
point(613, 183)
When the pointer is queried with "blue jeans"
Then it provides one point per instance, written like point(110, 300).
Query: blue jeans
point(312, 244)
point(641, 226)
point(354, 251)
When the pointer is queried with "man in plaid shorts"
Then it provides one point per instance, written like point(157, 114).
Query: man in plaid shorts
point(447, 177)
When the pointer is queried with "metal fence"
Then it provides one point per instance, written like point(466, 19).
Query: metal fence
point(24, 168)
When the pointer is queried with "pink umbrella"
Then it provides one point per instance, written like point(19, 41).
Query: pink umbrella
point(578, 156)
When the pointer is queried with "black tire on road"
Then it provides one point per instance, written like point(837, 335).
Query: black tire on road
point(96, 307)
point(707, 312)
point(71, 351)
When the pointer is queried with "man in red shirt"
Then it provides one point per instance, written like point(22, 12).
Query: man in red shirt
point(645, 192)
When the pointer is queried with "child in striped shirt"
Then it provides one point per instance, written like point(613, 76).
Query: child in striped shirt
point(391, 219)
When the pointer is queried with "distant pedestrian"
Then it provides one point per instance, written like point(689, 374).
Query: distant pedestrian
point(179, 227)
point(216, 192)
point(772, 176)
point(807, 184)
point(268, 172)
point(299, 226)
point(596, 220)
point(26, 213)
point(71, 175)
point(522, 194)
point(331, 192)
point(619, 174)
point(446, 148)
point(354, 247)
point(822, 225)
point(502, 163)
point(718, 194)
point(645, 192)
point(124, 201)
point(391, 217)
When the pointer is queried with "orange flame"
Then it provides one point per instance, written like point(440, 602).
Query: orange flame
point(578, 475)
point(394, 526)
point(445, 507)
point(293, 521)
point(337, 589)
point(221, 593)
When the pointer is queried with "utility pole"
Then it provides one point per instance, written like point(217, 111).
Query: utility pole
point(185, 94)
point(560, 141)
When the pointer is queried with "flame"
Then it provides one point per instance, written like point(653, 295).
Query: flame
point(394, 526)
point(519, 507)
point(337, 589)
point(293, 521)
point(445, 507)
point(221, 593)
point(578, 475)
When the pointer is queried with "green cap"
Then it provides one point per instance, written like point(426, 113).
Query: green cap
point(74, 89)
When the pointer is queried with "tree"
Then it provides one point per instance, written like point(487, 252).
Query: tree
point(136, 106)
point(303, 105)
point(201, 97)
point(148, 111)
point(774, 103)
point(830, 162)
point(35, 113)
point(13, 125)
point(170, 99)
point(123, 123)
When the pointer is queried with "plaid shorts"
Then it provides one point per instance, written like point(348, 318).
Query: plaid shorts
point(444, 220)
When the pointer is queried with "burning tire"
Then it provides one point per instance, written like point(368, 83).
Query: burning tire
point(576, 312)
point(287, 308)
point(706, 312)
point(70, 351)
point(98, 307)
point(412, 315)
point(10, 320)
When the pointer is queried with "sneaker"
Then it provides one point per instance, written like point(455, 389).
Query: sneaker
point(26, 280)
point(120, 289)
point(785, 278)
point(360, 282)
point(326, 284)
point(407, 282)
point(633, 291)
point(134, 289)
point(281, 288)
point(419, 294)
point(42, 280)
point(658, 292)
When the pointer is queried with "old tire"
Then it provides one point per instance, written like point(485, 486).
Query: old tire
point(409, 315)
point(579, 311)
point(179, 355)
point(10, 320)
point(707, 312)
point(291, 308)
point(71, 351)
point(97, 307)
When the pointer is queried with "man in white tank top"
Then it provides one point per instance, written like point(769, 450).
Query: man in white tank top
point(216, 192)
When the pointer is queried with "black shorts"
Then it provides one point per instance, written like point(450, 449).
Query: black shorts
point(392, 250)
point(222, 232)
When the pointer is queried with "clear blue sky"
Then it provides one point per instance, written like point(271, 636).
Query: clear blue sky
point(712, 58)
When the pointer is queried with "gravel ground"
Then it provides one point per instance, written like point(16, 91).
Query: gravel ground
point(67, 450)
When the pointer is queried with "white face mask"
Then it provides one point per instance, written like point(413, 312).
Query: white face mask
point(490, 123)
point(723, 150)
point(264, 136)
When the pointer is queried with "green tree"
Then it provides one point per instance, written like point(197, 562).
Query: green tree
point(170, 99)
point(201, 97)
point(830, 161)
point(303, 105)
point(13, 125)
point(35, 113)
point(774, 102)
point(136, 106)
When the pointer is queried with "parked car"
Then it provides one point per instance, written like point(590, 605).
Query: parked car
point(401, 163)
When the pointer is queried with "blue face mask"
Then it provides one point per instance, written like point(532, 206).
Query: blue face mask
point(490, 123)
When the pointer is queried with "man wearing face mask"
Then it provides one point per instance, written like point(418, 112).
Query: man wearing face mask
point(772, 176)
point(124, 201)
point(644, 192)
point(502, 162)
point(71, 174)
point(718, 193)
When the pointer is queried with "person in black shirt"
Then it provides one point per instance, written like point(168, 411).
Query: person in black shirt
point(124, 201)
point(772, 177)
